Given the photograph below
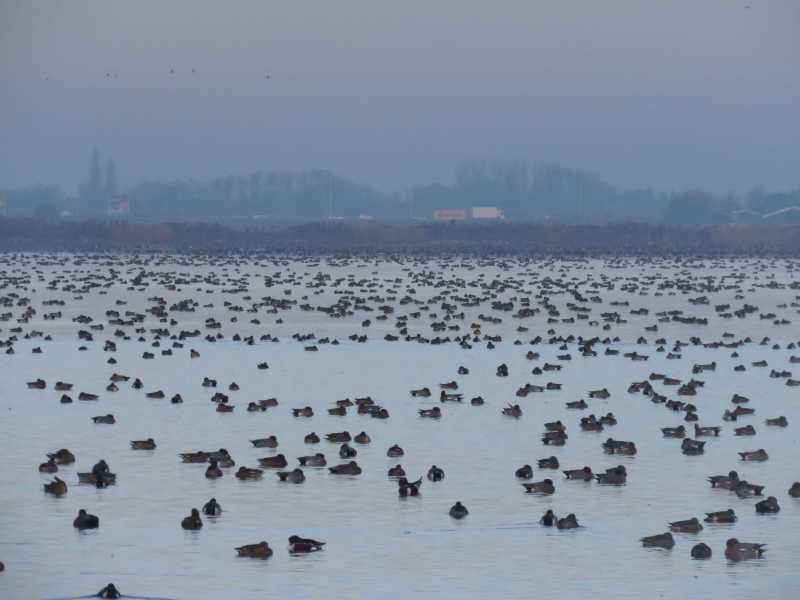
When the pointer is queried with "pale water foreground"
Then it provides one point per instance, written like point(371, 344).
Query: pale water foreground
point(379, 545)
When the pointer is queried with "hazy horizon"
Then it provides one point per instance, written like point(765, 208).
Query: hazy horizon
point(670, 96)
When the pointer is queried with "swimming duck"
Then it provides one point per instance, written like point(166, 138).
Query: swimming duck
point(260, 550)
point(148, 444)
point(614, 476)
point(193, 521)
point(591, 424)
point(346, 451)
point(549, 463)
point(306, 411)
point(396, 471)
point(744, 489)
point(794, 491)
point(293, 476)
point(105, 419)
point(57, 487)
point(316, 460)
point(378, 412)
point(339, 437)
point(350, 468)
point(584, 474)
point(674, 432)
point(701, 551)
point(435, 474)
point(578, 404)
point(778, 422)
point(212, 508)
point(755, 455)
point(85, 521)
point(432, 413)
point(273, 462)
point(525, 472)
point(747, 430)
point(549, 519)
point(662, 540)
point(249, 473)
point(513, 410)
point(545, 487)
point(691, 447)
point(445, 397)
point(722, 516)
point(555, 426)
point(311, 438)
point(213, 471)
point(458, 511)
point(422, 392)
point(768, 507)
point(267, 442)
point(298, 545)
point(609, 419)
point(736, 550)
point(395, 451)
point(568, 522)
point(554, 438)
point(726, 482)
point(612, 446)
point(362, 438)
point(408, 488)
point(100, 476)
point(195, 457)
point(110, 591)
point(38, 384)
point(48, 467)
point(692, 525)
point(706, 431)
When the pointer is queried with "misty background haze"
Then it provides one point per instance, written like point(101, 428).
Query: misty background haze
point(595, 107)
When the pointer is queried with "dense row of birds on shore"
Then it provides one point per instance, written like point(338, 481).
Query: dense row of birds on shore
point(429, 305)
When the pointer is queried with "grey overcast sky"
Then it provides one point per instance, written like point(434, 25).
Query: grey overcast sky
point(669, 94)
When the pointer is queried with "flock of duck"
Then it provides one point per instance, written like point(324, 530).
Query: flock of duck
point(42, 297)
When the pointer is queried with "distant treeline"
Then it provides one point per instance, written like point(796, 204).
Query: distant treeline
point(30, 235)
point(540, 192)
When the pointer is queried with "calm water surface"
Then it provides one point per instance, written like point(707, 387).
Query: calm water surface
point(378, 544)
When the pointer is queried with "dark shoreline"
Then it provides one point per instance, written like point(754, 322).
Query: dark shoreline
point(528, 238)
